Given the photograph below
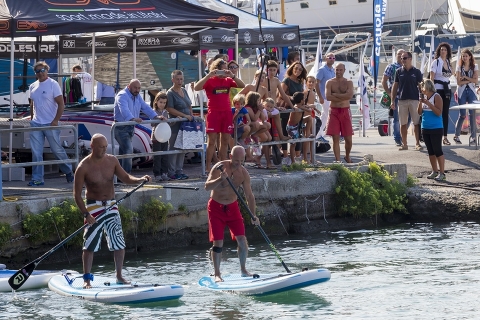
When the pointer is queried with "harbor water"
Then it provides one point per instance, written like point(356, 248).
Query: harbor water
point(410, 271)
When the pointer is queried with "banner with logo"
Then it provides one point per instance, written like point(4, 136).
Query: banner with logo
point(121, 43)
point(28, 50)
point(250, 38)
point(379, 10)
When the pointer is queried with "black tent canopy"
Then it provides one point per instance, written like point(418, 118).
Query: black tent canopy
point(55, 17)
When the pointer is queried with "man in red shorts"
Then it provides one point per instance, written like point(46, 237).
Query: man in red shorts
point(339, 91)
point(223, 209)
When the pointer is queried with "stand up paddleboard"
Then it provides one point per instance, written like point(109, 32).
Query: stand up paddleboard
point(263, 284)
point(38, 279)
point(106, 290)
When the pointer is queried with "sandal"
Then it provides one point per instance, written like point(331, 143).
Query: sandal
point(446, 142)
point(457, 140)
point(471, 141)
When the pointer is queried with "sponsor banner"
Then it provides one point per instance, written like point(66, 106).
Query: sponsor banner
point(48, 49)
point(120, 43)
point(379, 10)
point(248, 38)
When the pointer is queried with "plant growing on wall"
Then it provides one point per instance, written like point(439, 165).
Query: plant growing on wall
point(368, 193)
point(152, 215)
point(5, 233)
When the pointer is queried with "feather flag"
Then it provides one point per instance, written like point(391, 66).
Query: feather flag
point(318, 58)
point(432, 53)
point(424, 60)
point(362, 98)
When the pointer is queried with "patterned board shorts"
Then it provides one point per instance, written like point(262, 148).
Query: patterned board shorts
point(108, 222)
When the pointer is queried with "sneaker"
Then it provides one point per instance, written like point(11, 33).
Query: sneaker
point(471, 141)
point(398, 143)
point(164, 177)
point(441, 177)
point(158, 179)
point(241, 142)
point(173, 177)
point(342, 139)
point(69, 177)
point(322, 140)
point(35, 183)
point(457, 140)
point(286, 161)
point(432, 175)
point(181, 176)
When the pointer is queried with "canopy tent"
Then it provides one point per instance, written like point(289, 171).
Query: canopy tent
point(55, 17)
point(277, 34)
point(455, 41)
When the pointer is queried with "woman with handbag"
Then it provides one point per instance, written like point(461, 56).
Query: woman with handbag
point(440, 73)
point(217, 84)
point(179, 105)
point(467, 78)
point(294, 82)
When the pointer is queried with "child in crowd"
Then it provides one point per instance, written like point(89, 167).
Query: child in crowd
point(242, 120)
point(310, 96)
point(160, 162)
point(260, 126)
point(294, 125)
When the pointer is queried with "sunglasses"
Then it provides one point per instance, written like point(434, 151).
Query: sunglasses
point(233, 67)
point(405, 58)
point(40, 70)
point(331, 58)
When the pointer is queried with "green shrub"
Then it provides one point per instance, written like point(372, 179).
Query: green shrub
point(64, 219)
point(152, 215)
point(370, 193)
point(6, 233)
point(129, 219)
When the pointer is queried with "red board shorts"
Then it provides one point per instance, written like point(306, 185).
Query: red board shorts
point(221, 215)
point(220, 122)
point(340, 122)
point(273, 130)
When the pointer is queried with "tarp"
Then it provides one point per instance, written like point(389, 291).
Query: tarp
point(55, 17)
point(422, 42)
point(277, 34)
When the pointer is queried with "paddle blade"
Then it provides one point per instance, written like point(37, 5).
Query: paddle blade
point(21, 276)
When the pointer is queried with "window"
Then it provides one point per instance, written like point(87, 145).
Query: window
point(362, 1)
point(332, 2)
point(304, 5)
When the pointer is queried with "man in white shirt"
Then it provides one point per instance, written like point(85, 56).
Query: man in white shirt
point(46, 108)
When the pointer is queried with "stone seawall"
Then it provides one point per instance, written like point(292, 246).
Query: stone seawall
point(289, 203)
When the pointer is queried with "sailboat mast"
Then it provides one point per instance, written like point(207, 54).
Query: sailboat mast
point(412, 31)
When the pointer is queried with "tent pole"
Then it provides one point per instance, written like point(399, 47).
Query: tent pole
point(235, 54)
point(134, 53)
point(93, 68)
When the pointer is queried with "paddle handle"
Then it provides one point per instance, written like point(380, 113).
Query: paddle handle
point(220, 167)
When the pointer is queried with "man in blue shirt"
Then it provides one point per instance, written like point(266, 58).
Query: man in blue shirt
point(128, 104)
point(387, 83)
point(324, 73)
point(105, 93)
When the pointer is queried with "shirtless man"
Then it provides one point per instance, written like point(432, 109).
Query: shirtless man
point(339, 91)
point(96, 172)
point(223, 209)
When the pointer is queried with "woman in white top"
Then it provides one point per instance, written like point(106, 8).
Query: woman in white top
point(440, 73)
point(467, 78)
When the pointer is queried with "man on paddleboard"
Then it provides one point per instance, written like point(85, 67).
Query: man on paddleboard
point(96, 172)
point(223, 209)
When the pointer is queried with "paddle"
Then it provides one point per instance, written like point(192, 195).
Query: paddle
point(22, 275)
point(171, 187)
point(220, 167)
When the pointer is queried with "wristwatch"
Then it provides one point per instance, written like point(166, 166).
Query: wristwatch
point(86, 214)
point(233, 78)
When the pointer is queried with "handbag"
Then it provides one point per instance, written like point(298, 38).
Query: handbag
point(190, 135)
point(386, 101)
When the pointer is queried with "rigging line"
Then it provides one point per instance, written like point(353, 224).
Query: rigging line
point(58, 232)
point(306, 205)
point(265, 187)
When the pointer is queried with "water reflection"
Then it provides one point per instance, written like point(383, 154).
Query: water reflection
point(411, 271)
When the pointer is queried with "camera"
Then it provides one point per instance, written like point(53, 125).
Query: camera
point(220, 72)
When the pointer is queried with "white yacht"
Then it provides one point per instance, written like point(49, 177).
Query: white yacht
point(334, 14)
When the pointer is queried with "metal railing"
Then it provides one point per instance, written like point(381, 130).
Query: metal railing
point(38, 163)
point(170, 120)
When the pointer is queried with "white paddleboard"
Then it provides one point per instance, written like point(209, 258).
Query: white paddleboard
point(106, 290)
point(266, 283)
point(38, 279)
